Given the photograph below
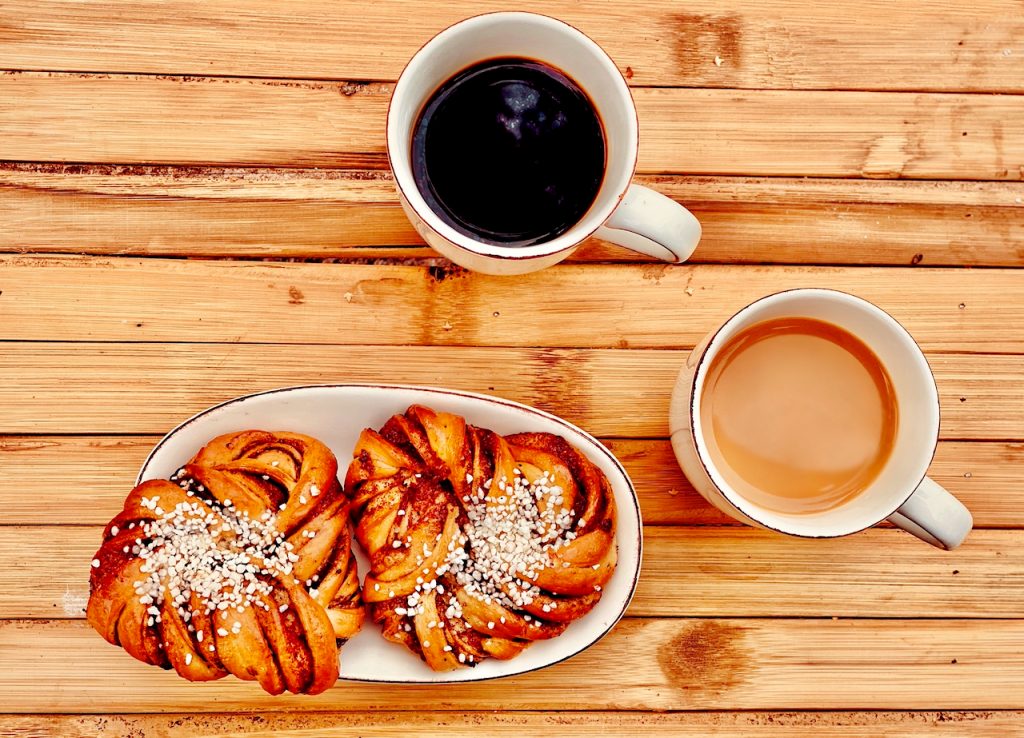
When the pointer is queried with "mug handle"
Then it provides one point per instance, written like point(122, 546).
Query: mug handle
point(934, 515)
point(650, 223)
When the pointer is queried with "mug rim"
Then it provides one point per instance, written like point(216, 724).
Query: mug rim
point(736, 500)
point(579, 231)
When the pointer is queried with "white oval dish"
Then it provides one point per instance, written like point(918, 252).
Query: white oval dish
point(336, 414)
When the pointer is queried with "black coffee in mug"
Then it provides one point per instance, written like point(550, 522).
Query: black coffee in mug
point(509, 151)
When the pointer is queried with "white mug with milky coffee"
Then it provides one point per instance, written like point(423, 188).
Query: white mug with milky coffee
point(900, 492)
point(623, 213)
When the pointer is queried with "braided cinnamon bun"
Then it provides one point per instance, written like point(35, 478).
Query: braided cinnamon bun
point(478, 544)
point(240, 564)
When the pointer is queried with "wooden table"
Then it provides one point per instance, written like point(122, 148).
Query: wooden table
point(195, 204)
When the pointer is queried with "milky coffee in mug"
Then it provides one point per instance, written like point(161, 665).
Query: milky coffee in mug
point(799, 414)
point(814, 413)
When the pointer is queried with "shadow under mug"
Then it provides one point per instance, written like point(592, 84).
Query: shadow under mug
point(626, 214)
point(901, 493)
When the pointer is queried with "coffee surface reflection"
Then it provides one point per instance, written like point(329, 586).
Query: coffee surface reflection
point(509, 151)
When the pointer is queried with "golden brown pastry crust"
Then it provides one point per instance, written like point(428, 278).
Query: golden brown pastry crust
point(281, 486)
point(427, 478)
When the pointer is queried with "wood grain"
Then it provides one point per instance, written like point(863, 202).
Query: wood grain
point(824, 135)
point(317, 213)
point(201, 120)
point(147, 388)
point(987, 476)
point(688, 572)
point(641, 665)
point(638, 306)
point(378, 724)
point(104, 118)
point(915, 45)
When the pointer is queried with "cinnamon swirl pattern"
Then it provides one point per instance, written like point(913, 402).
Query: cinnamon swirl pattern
point(478, 544)
point(240, 564)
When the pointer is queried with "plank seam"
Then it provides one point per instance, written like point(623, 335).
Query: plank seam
point(494, 347)
point(186, 76)
point(437, 260)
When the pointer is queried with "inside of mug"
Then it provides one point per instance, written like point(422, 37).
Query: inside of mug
point(534, 37)
point(915, 391)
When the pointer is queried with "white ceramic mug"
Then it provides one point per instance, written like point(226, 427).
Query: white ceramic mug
point(626, 214)
point(901, 493)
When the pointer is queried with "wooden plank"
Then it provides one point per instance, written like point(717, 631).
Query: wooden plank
point(716, 572)
point(599, 306)
point(202, 120)
point(830, 134)
point(88, 117)
point(339, 213)
point(987, 476)
point(149, 388)
point(380, 724)
point(688, 572)
point(652, 664)
point(213, 212)
point(913, 45)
